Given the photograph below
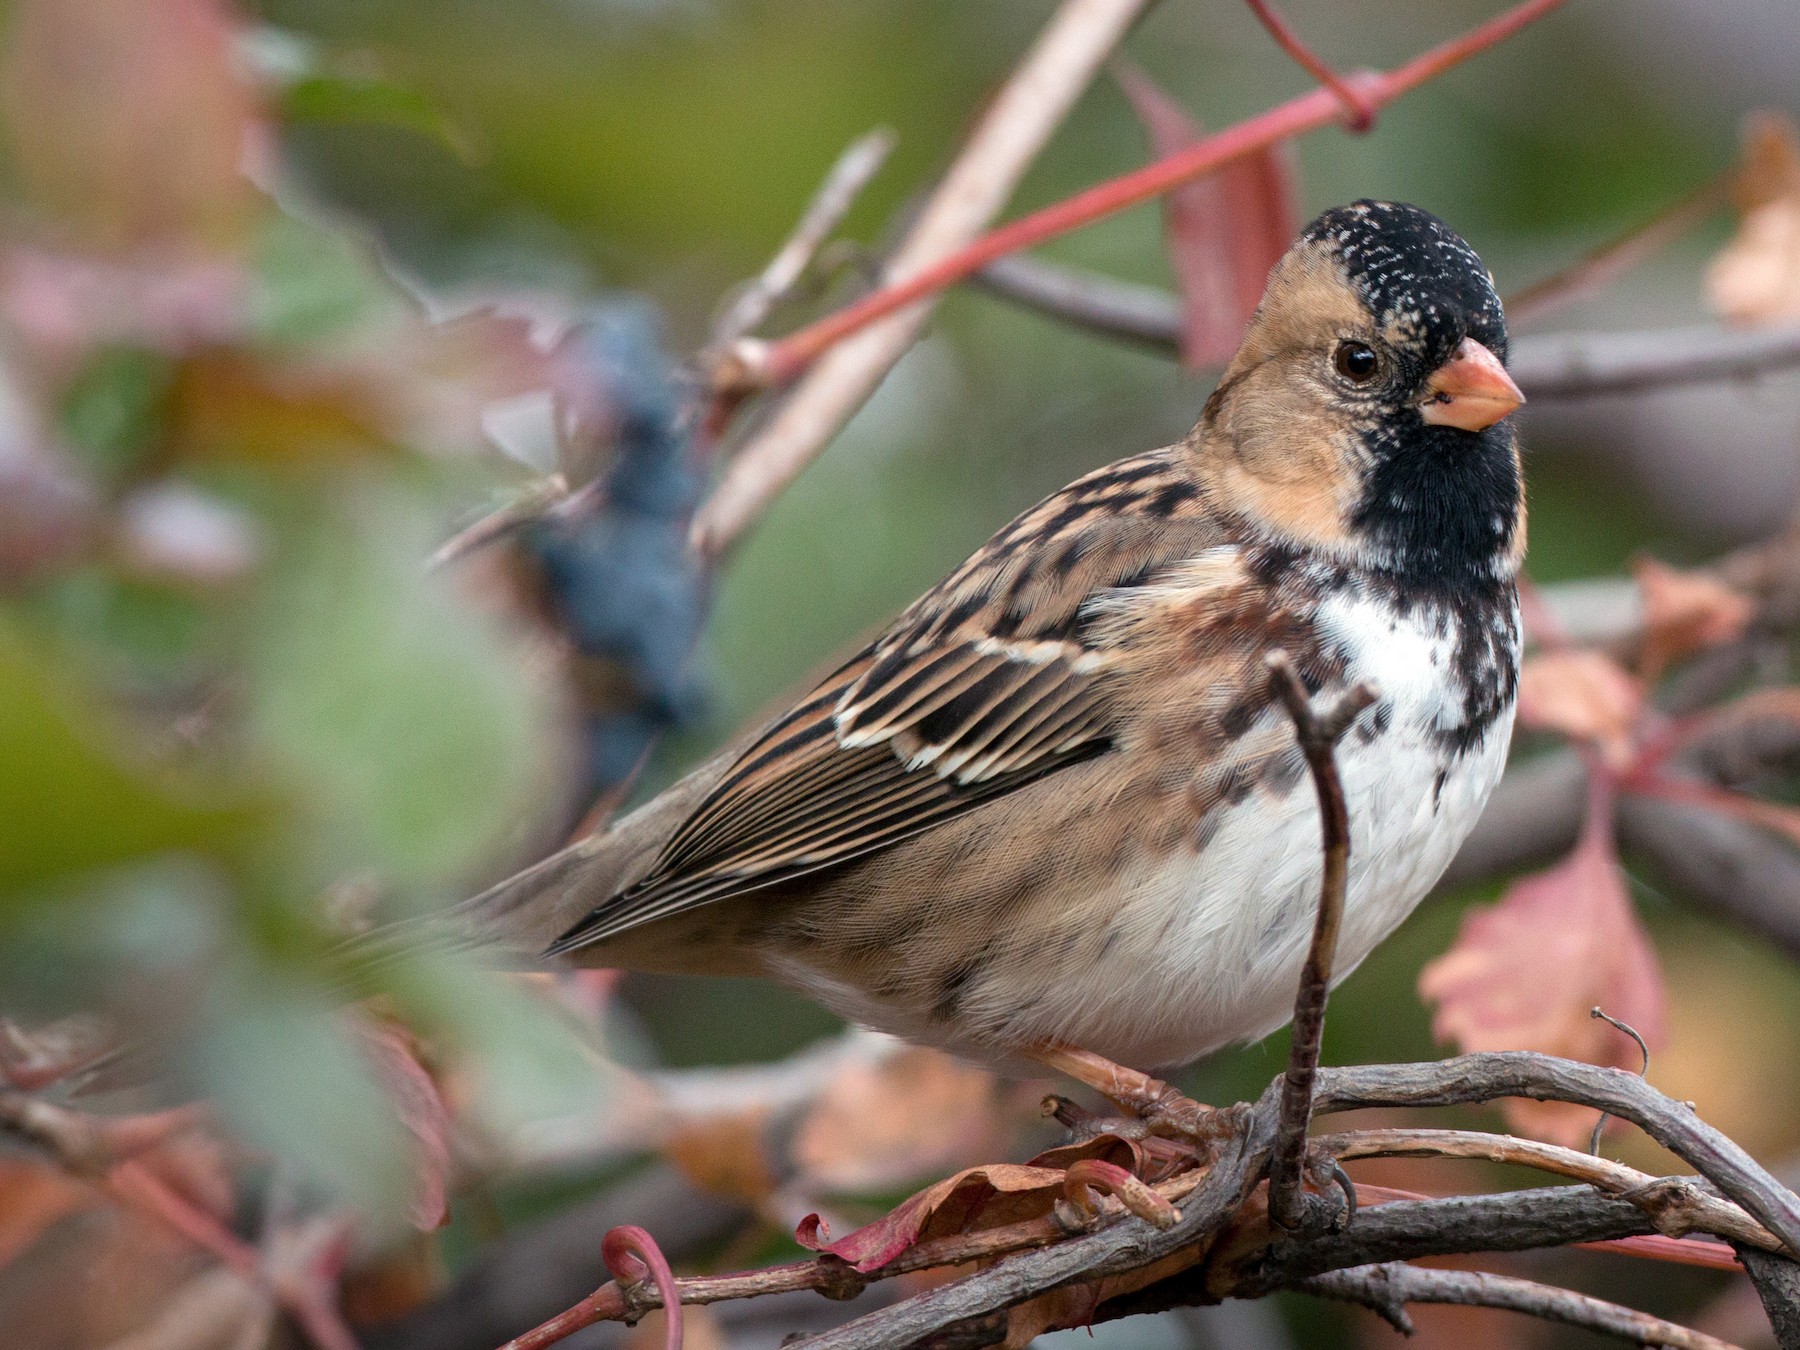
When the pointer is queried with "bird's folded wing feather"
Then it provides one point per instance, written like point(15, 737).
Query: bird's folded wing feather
point(990, 681)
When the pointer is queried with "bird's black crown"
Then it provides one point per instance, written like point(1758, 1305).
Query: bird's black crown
point(1411, 268)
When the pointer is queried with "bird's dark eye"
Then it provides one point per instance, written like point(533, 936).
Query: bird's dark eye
point(1356, 361)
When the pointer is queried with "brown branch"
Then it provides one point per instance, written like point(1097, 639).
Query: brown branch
point(1033, 102)
point(1584, 365)
point(1611, 260)
point(1148, 315)
point(1675, 1204)
point(1318, 733)
point(1488, 1077)
point(1031, 1258)
point(1548, 367)
point(1387, 1289)
point(1777, 1282)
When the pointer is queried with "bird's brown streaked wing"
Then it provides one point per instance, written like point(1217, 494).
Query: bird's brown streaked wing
point(987, 683)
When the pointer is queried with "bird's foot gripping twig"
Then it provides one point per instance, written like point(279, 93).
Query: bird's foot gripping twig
point(1154, 1105)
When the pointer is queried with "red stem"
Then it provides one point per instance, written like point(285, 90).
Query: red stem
point(631, 1256)
point(1361, 112)
point(786, 358)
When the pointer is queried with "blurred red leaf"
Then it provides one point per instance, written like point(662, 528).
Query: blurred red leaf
point(1583, 695)
point(128, 119)
point(1685, 612)
point(1223, 232)
point(422, 1111)
point(1524, 973)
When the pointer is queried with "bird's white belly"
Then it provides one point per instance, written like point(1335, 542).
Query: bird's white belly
point(1213, 941)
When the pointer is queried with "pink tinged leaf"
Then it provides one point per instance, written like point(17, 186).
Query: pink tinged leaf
point(1525, 972)
point(129, 119)
point(1685, 612)
point(422, 1111)
point(1585, 696)
point(1223, 232)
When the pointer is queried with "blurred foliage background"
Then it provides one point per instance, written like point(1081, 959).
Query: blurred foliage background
point(277, 288)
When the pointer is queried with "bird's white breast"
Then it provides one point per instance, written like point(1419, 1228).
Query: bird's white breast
point(1213, 941)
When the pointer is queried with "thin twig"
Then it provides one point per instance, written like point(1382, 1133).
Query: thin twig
point(1388, 1288)
point(1603, 265)
point(846, 373)
point(784, 360)
point(1031, 105)
point(1518, 1073)
point(531, 502)
point(1677, 1205)
point(859, 163)
point(1361, 111)
point(1127, 310)
point(1548, 367)
point(1318, 732)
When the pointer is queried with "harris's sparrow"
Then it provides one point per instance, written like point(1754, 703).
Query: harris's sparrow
point(1054, 804)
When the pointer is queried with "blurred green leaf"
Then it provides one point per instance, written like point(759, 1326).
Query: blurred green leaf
point(402, 718)
point(282, 1065)
point(331, 99)
point(112, 410)
point(309, 283)
point(76, 792)
point(530, 1062)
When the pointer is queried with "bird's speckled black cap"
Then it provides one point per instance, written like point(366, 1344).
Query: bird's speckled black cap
point(1412, 268)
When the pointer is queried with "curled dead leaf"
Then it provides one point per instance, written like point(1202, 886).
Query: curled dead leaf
point(1583, 695)
point(977, 1197)
point(1525, 972)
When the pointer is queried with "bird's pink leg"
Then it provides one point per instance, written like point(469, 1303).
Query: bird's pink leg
point(1164, 1109)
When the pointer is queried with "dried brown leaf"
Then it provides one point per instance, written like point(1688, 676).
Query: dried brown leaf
point(1583, 695)
point(1223, 232)
point(1525, 972)
point(725, 1155)
point(880, 1126)
point(1755, 279)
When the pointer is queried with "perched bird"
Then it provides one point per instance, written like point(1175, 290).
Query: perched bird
point(1054, 804)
